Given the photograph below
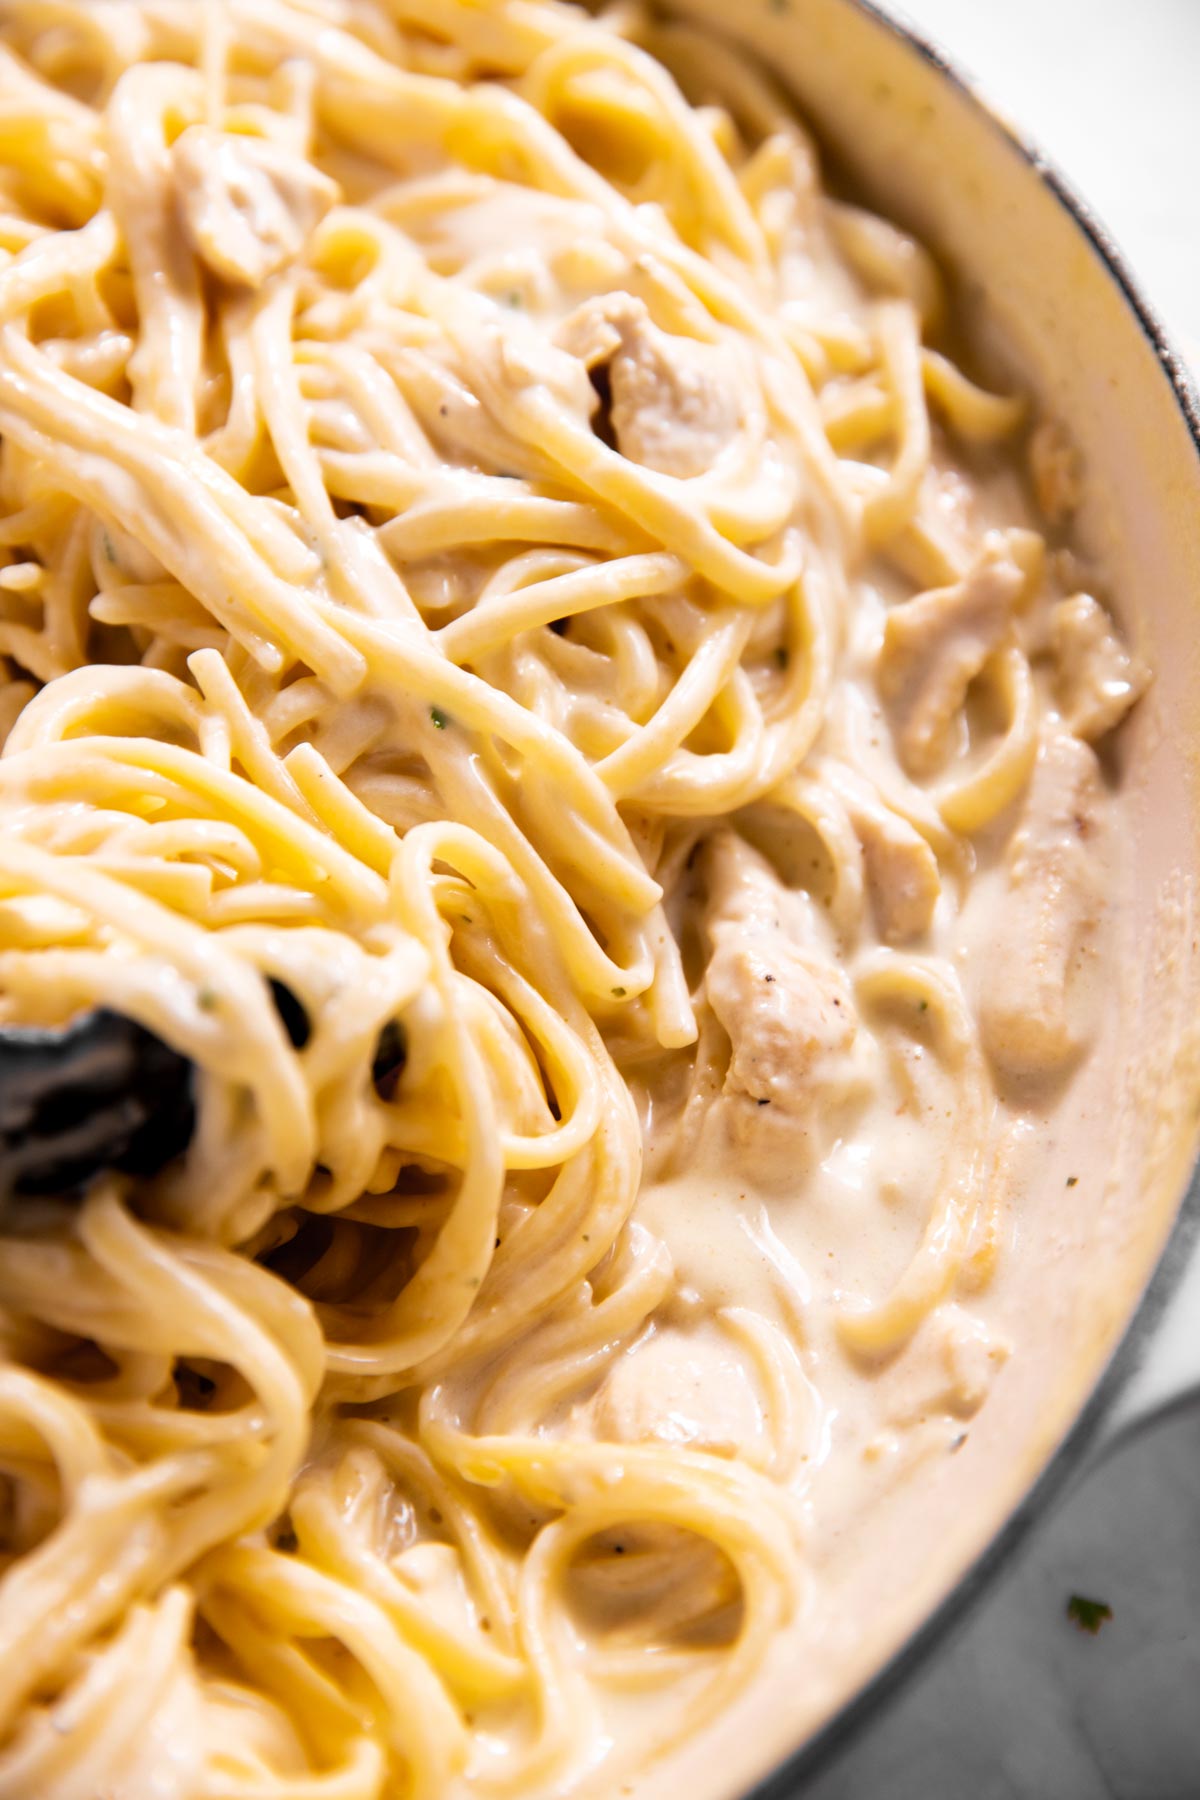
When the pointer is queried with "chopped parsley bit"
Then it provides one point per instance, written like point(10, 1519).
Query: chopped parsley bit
point(922, 1006)
point(440, 719)
point(1072, 1180)
point(514, 299)
point(780, 658)
point(472, 1280)
point(206, 999)
point(109, 551)
point(1089, 1615)
point(618, 993)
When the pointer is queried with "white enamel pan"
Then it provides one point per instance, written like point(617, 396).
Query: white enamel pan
point(1115, 1332)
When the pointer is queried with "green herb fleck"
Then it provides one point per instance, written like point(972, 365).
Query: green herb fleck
point(440, 719)
point(1089, 1615)
point(206, 999)
point(514, 299)
point(1072, 1180)
point(109, 551)
point(618, 993)
point(922, 1006)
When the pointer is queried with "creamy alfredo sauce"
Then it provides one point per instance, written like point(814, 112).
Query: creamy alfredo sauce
point(559, 765)
point(798, 1176)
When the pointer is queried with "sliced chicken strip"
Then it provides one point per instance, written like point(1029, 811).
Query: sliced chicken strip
point(249, 205)
point(673, 401)
point(935, 646)
point(1056, 470)
point(946, 1370)
point(1097, 679)
point(677, 1388)
point(902, 870)
point(786, 1006)
point(1033, 1012)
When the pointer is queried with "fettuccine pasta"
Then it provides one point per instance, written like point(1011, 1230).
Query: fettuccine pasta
point(519, 645)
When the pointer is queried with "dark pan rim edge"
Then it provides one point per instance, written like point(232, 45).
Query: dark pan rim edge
point(785, 1782)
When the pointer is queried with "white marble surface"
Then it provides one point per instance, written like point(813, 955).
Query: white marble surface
point(1111, 90)
point(1020, 1704)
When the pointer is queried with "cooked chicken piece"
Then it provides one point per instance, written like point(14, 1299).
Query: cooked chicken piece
point(786, 1006)
point(903, 874)
point(971, 1358)
point(1056, 469)
point(248, 205)
point(1031, 1010)
point(935, 646)
point(902, 870)
point(678, 1388)
point(947, 1368)
point(673, 400)
point(1097, 679)
point(593, 331)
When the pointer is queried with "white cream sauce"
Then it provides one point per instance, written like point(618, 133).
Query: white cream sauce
point(897, 959)
point(814, 1151)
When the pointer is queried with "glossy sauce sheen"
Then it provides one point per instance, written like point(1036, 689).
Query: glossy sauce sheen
point(799, 1220)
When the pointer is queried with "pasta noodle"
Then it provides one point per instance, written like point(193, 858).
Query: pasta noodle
point(516, 638)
